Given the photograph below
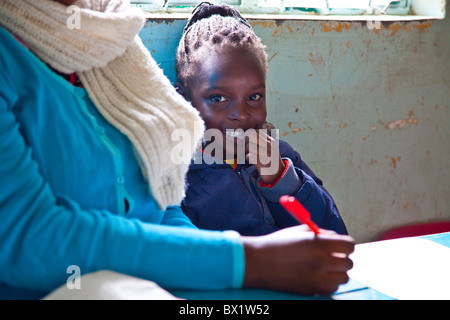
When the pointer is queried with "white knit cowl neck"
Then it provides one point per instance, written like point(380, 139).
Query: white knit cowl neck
point(120, 76)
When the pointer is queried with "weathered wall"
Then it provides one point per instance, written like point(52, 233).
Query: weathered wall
point(367, 109)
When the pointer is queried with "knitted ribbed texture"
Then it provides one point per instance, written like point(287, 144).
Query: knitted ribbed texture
point(121, 77)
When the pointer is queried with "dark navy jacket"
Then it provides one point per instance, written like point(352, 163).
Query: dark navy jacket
point(221, 198)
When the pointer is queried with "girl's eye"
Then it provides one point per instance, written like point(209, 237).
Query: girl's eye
point(255, 97)
point(217, 98)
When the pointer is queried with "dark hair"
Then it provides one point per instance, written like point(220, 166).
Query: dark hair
point(213, 26)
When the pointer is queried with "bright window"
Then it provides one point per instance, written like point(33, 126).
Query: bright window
point(426, 8)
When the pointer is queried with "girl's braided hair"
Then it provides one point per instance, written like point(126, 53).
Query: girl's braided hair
point(213, 27)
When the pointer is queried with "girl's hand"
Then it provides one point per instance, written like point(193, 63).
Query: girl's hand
point(295, 260)
point(263, 152)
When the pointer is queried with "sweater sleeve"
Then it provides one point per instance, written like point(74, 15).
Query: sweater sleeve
point(287, 184)
point(174, 216)
point(299, 181)
point(42, 233)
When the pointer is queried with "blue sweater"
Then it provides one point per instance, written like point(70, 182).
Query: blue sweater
point(72, 193)
point(221, 198)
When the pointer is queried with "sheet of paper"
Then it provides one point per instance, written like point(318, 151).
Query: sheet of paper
point(406, 268)
point(109, 285)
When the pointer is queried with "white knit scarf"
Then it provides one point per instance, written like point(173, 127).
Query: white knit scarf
point(121, 77)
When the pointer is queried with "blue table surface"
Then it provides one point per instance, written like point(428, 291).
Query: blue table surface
point(352, 290)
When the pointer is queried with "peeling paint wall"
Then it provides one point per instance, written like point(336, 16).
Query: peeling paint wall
point(368, 109)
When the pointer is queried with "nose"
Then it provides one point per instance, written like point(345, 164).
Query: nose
point(240, 111)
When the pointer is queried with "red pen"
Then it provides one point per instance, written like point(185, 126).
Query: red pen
point(299, 212)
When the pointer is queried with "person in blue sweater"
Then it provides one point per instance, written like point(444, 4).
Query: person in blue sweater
point(86, 178)
point(221, 69)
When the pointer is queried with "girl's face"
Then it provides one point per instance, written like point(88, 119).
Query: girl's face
point(230, 91)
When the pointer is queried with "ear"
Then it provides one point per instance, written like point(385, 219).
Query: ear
point(181, 90)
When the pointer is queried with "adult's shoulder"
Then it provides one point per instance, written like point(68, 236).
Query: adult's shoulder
point(16, 56)
point(10, 48)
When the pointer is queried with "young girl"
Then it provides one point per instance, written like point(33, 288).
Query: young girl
point(221, 68)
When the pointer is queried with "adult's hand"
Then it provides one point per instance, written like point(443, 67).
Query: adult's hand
point(296, 260)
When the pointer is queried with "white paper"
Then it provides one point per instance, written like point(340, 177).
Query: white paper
point(109, 285)
point(406, 268)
